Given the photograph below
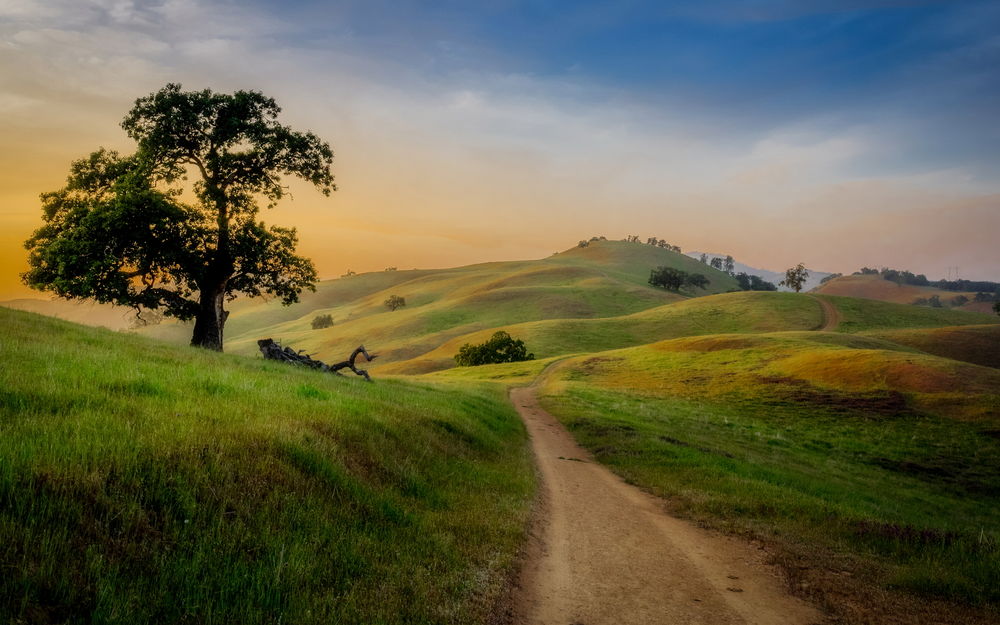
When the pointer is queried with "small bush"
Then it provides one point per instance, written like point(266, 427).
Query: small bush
point(322, 321)
point(394, 301)
point(500, 348)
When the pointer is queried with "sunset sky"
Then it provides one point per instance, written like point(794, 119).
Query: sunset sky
point(835, 133)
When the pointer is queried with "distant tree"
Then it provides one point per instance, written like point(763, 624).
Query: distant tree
point(743, 279)
point(668, 278)
point(390, 269)
point(696, 280)
point(996, 307)
point(132, 231)
point(934, 301)
point(322, 321)
point(501, 347)
point(394, 301)
point(349, 273)
point(830, 277)
point(704, 258)
point(750, 282)
point(958, 300)
point(716, 263)
point(582, 244)
point(920, 301)
point(795, 278)
point(729, 265)
point(676, 248)
point(982, 297)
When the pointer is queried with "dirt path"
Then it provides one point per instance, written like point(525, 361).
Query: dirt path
point(831, 316)
point(604, 552)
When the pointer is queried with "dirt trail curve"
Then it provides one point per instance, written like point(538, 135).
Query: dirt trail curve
point(604, 552)
point(831, 316)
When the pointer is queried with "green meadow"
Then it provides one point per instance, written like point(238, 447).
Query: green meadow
point(143, 482)
point(852, 453)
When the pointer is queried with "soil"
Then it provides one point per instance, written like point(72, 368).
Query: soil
point(604, 552)
point(831, 316)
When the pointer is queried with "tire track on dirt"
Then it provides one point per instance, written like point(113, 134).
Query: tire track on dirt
point(603, 552)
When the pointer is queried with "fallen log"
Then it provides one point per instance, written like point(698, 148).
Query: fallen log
point(272, 350)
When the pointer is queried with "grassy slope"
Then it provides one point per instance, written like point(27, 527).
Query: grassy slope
point(728, 312)
point(142, 482)
point(858, 315)
point(852, 452)
point(976, 344)
point(877, 288)
point(606, 279)
point(723, 313)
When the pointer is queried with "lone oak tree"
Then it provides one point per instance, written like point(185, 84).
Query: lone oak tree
point(795, 278)
point(131, 230)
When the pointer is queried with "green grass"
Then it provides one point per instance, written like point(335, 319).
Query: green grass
point(142, 482)
point(606, 279)
point(858, 315)
point(728, 312)
point(976, 344)
point(844, 448)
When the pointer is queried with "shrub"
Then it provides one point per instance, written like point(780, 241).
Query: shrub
point(394, 301)
point(322, 321)
point(500, 348)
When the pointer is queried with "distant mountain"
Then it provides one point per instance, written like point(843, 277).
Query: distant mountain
point(771, 276)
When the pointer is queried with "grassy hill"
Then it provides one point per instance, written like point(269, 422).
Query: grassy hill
point(870, 465)
point(728, 312)
point(605, 279)
point(745, 311)
point(976, 344)
point(859, 315)
point(143, 482)
point(875, 287)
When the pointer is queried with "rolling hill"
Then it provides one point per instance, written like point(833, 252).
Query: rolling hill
point(876, 287)
point(145, 482)
point(605, 279)
point(869, 467)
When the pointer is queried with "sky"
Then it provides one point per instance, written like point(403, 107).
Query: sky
point(838, 133)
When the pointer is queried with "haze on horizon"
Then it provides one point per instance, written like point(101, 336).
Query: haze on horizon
point(838, 134)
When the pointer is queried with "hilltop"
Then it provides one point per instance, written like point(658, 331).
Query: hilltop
point(874, 286)
point(604, 279)
point(774, 277)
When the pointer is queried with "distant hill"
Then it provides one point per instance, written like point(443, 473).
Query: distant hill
point(85, 312)
point(774, 277)
point(604, 279)
point(874, 286)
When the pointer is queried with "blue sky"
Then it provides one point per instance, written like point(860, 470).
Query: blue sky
point(927, 70)
point(839, 134)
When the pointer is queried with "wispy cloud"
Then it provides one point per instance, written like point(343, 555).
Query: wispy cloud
point(449, 152)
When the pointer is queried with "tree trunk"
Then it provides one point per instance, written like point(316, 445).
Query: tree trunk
point(211, 319)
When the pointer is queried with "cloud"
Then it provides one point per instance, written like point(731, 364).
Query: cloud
point(441, 163)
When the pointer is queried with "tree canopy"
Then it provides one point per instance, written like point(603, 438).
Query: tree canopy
point(394, 301)
point(501, 347)
point(132, 230)
point(795, 278)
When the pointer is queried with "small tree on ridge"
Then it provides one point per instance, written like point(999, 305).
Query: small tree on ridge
point(795, 278)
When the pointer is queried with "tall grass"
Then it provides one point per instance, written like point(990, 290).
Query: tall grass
point(141, 482)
